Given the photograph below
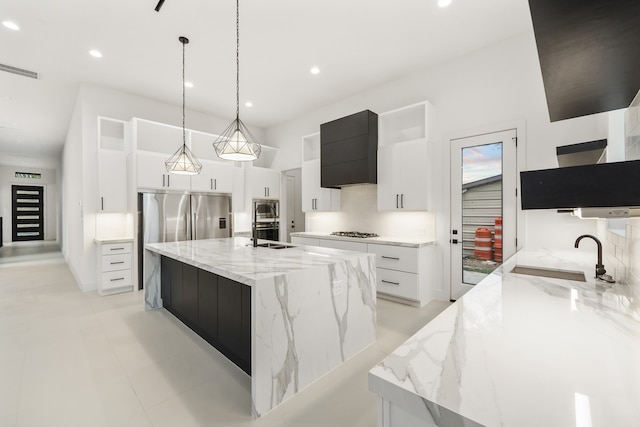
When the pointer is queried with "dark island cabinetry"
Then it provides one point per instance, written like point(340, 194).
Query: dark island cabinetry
point(216, 308)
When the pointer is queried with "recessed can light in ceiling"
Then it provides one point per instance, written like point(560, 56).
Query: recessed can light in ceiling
point(444, 3)
point(248, 104)
point(95, 53)
point(188, 84)
point(11, 25)
point(315, 70)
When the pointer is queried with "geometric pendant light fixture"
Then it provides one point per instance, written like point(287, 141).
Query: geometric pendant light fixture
point(183, 161)
point(236, 142)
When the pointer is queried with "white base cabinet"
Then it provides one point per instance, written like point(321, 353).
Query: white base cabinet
point(115, 266)
point(403, 273)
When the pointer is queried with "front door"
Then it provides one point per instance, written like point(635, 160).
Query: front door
point(483, 206)
point(27, 213)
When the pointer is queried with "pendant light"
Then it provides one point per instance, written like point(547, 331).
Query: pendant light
point(183, 161)
point(236, 142)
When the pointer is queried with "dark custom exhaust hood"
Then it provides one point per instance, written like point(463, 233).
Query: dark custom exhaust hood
point(601, 185)
point(349, 150)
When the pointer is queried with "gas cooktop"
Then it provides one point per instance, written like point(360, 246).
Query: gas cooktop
point(358, 234)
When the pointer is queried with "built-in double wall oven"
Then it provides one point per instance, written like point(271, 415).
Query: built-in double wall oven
point(266, 219)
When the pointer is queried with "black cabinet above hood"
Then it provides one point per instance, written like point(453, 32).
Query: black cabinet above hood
point(591, 186)
point(349, 150)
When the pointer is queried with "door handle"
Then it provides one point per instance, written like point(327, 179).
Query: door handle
point(390, 257)
point(396, 201)
point(391, 283)
point(211, 183)
point(402, 201)
point(163, 180)
point(115, 280)
point(215, 184)
point(102, 203)
point(118, 262)
point(168, 180)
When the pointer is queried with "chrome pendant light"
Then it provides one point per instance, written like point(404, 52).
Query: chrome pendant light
point(183, 161)
point(236, 142)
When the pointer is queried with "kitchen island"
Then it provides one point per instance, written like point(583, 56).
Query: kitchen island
point(299, 311)
point(518, 351)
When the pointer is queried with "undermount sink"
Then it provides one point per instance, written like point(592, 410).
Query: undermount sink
point(273, 245)
point(549, 272)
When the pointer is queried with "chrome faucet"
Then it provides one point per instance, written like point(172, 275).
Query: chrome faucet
point(600, 271)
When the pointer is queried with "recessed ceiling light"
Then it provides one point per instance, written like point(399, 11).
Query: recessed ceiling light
point(95, 53)
point(248, 104)
point(188, 84)
point(11, 25)
point(444, 3)
point(315, 70)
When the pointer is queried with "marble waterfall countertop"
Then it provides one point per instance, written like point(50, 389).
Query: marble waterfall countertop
point(311, 308)
point(521, 351)
point(411, 242)
point(235, 258)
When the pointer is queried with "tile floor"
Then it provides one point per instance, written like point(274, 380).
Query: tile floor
point(77, 359)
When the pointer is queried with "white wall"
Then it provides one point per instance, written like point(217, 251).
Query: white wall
point(81, 149)
point(497, 85)
point(48, 170)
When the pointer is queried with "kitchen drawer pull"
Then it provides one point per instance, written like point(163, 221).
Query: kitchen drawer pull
point(390, 257)
point(116, 249)
point(117, 279)
point(391, 283)
point(117, 262)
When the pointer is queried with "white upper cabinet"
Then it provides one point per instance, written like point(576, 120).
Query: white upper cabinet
point(215, 177)
point(403, 145)
point(262, 183)
point(314, 197)
point(112, 166)
point(152, 173)
point(157, 137)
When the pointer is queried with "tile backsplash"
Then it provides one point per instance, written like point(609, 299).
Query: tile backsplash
point(359, 212)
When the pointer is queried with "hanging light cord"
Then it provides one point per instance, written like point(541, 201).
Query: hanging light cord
point(237, 59)
point(184, 136)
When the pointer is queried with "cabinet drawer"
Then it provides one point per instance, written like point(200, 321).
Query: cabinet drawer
point(344, 245)
point(395, 257)
point(397, 283)
point(116, 279)
point(117, 248)
point(307, 241)
point(116, 262)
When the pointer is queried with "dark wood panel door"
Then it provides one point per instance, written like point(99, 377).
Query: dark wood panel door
point(230, 315)
point(208, 303)
point(189, 302)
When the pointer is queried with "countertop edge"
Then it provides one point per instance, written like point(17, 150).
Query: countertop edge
point(391, 241)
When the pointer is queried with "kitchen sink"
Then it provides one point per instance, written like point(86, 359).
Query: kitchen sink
point(274, 245)
point(549, 272)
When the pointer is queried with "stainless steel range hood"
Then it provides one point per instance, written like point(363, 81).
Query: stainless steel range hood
point(584, 153)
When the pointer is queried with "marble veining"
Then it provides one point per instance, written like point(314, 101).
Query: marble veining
point(520, 350)
point(302, 325)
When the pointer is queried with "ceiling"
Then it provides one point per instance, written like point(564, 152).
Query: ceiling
point(357, 44)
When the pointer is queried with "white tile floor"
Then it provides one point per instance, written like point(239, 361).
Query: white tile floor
point(77, 359)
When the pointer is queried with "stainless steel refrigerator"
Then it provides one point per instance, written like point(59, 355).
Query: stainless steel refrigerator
point(169, 217)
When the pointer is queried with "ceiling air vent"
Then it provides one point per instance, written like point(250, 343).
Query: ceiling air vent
point(18, 71)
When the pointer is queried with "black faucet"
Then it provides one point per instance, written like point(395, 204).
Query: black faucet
point(600, 271)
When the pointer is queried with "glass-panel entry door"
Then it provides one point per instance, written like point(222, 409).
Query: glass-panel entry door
point(27, 213)
point(483, 207)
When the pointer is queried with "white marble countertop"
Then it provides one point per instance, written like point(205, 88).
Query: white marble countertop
point(381, 240)
point(236, 258)
point(523, 351)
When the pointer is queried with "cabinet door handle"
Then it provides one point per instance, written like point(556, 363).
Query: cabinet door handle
point(116, 249)
point(397, 201)
point(168, 180)
point(211, 184)
point(390, 257)
point(102, 203)
point(117, 262)
point(116, 279)
point(391, 283)
point(215, 184)
point(402, 201)
point(163, 180)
